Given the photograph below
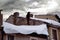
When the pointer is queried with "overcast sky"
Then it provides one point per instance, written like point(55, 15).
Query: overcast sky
point(23, 6)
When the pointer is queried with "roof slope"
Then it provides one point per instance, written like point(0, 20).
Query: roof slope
point(48, 21)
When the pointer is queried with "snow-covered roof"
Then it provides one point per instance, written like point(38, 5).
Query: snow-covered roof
point(48, 21)
point(25, 29)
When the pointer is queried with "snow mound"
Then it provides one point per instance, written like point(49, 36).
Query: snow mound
point(25, 29)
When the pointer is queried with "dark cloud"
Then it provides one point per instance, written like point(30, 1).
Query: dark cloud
point(9, 5)
point(22, 4)
point(17, 4)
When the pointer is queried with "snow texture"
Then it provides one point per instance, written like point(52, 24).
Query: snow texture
point(25, 29)
point(48, 21)
point(28, 29)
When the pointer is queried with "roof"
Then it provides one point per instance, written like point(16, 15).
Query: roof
point(48, 21)
point(25, 29)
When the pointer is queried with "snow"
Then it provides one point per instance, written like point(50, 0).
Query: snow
point(25, 29)
point(48, 21)
point(28, 29)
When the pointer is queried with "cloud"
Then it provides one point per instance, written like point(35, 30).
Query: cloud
point(17, 4)
point(50, 6)
point(25, 5)
point(28, 4)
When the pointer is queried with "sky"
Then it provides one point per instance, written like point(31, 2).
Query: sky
point(36, 7)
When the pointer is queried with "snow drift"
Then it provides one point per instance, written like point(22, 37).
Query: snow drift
point(25, 29)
